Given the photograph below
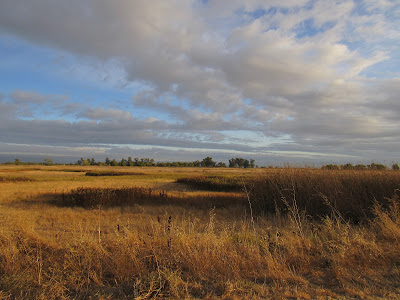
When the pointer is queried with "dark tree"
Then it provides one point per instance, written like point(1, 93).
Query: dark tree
point(196, 163)
point(360, 167)
point(239, 162)
point(246, 164)
point(208, 162)
point(232, 163)
point(252, 163)
point(48, 161)
point(347, 167)
point(375, 166)
point(123, 162)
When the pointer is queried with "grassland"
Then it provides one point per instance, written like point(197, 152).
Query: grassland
point(193, 233)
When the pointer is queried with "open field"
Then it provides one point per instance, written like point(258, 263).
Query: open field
point(192, 233)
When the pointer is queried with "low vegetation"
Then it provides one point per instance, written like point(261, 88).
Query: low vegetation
point(14, 179)
point(130, 196)
point(213, 183)
point(111, 173)
point(316, 193)
point(352, 194)
point(277, 234)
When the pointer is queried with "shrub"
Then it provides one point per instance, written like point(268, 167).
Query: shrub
point(330, 167)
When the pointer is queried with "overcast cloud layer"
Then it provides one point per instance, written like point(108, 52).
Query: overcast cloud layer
point(290, 80)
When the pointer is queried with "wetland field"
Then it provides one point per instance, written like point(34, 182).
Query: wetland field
point(91, 232)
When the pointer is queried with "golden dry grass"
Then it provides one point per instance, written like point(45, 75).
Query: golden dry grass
point(179, 251)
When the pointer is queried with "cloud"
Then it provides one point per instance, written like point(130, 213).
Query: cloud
point(209, 73)
point(99, 126)
point(23, 97)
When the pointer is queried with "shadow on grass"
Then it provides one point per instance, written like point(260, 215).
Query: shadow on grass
point(212, 183)
point(113, 173)
point(15, 179)
point(124, 197)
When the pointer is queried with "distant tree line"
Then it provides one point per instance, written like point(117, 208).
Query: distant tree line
point(207, 162)
point(241, 163)
point(349, 166)
point(17, 161)
point(123, 162)
point(147, 162)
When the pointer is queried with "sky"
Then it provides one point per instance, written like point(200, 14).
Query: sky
point(179, 80)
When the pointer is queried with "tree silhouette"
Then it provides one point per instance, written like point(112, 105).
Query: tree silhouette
point(208, 162)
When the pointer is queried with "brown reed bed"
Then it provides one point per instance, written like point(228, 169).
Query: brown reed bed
point(167, 259)
point(212, 183)
point(141, 243)
point(317, 193)
point(14, 179)
point(352, 194)
point(128, 196)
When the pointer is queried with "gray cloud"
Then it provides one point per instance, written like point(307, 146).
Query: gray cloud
point(215, 68)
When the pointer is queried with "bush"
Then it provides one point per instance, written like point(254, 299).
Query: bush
point(330, 167)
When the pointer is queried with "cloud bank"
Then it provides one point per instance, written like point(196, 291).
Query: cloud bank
point(316, 79)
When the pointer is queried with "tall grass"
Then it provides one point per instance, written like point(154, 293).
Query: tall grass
point(142, 243)
point(167, 258)
point(317, 193)
point(352, 194)
point(212, 183)
point(129, 196)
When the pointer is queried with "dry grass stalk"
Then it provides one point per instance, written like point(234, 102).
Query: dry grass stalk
point(173, 247)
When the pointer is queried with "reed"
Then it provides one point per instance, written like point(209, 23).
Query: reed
point(351, 193)
point(130, 196)
point(212, 183)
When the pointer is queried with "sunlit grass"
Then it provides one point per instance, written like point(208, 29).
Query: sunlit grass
point(181, 244)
